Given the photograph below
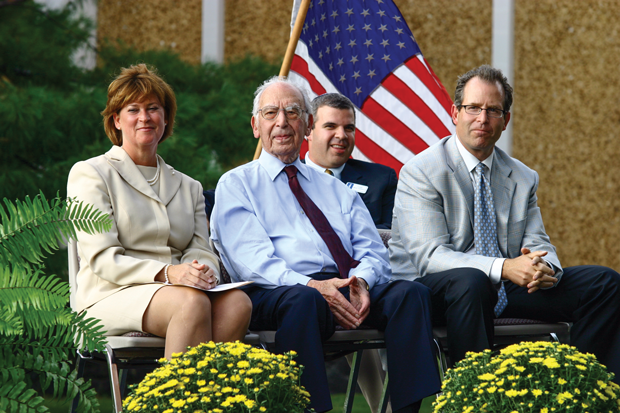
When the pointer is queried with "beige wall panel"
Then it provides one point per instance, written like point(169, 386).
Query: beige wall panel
point(566, 117)
point(257, 27)
point(153, 24)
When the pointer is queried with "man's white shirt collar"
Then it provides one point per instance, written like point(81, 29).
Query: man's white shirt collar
point(337, 171)
point(470, 160)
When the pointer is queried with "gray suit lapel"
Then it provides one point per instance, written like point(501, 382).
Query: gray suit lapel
point(461, 174)
point(503, 188)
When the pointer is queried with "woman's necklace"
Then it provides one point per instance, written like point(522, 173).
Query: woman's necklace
point(154, 180)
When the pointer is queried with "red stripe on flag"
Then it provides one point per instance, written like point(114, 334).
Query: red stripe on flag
point(375, 152)
point(393, 126)
point(400, 89)
point(431, 83)
point(300, 66)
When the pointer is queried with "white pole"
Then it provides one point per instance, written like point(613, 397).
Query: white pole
point(503, 54)
point(212, 31)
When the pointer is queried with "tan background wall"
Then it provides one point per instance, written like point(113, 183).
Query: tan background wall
point(566, 83)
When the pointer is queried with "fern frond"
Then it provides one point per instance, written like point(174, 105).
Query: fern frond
point(18, 397)
point(28, 288)
point(88, 332)
point(63, 380)
point(10, 323)
point(34, 227)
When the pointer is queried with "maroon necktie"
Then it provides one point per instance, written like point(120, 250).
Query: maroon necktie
point(321, 224)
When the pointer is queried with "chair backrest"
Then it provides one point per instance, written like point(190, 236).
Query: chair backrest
point(74, 267)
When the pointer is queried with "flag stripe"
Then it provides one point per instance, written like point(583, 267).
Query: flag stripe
point(379, 155)
point(417, 102)
point(420, 69)
point(393, 124)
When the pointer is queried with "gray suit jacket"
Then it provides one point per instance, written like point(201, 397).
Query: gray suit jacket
point(434, 213)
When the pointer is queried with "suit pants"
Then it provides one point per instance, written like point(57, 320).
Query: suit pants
point(303, 321)
point(588, 296)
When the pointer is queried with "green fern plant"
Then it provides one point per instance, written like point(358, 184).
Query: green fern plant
point(38, 331)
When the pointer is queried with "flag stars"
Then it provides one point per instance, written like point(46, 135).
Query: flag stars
point(385, 43)
point(349, 12)
point(368, 42)
point(336, 30)
point(386, 57)
point(369, 57)
point(327, 50)
point(306, 27)
point(311, 43)
point(343, 78)
point(381, 13)
point(379, 1)
point(313, 22)
point(383, 28)
point(334, 14)
point(316, 38)
point(331, 66)
point(365, 13)
point(401, 45)
point(340, 62)
point(366, 27)
point(358, 90)
point(337, 47)
point(397, 18)
point(354, 59)
point(352, 43)
point(371, 73)
point(350, 28)
point(320, 55)
point(356, 75)
point(399, 30)
point(323, 17)
point(322, 2)
point(325, 34)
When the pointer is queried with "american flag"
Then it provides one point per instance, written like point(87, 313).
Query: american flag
point(365, 50)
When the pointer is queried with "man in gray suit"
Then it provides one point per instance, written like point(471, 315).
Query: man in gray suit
point(467, 225)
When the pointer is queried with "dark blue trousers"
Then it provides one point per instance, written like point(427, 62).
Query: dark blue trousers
point(588, 296)
point(303, 321)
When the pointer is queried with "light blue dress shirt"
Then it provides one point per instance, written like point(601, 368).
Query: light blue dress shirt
point(264, 236)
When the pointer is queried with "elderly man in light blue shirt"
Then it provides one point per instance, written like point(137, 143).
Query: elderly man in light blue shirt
point(267, 229)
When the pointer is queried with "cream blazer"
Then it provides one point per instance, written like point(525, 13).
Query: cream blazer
point(148, 231)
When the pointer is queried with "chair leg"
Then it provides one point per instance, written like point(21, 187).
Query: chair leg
point(385, 395)
point(441, 359)
point(355, 369)
point(114, 380)
point(80, 373)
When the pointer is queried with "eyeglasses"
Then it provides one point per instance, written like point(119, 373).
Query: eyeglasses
point(291, 112)
point(476, 110)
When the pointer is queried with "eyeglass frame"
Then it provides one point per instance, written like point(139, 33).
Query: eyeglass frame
point(481, 109)
point(285, 109)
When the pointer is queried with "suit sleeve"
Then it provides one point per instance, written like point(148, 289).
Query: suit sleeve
point(535, 237)
point(419, 211)
point(103, 252)
point(387, 207)
point(199, 247)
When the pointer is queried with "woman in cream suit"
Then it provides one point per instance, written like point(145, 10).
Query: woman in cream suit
point(159, 232)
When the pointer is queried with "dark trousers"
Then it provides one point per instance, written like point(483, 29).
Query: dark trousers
point(303, 321)
point(588, 296)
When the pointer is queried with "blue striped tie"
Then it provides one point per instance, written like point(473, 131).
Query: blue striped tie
point(485, 228)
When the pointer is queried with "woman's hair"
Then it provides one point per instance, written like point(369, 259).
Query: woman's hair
point(133, 84)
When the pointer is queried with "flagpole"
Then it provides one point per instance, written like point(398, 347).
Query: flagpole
point(290, 52)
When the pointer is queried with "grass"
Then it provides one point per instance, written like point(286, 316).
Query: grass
point(359, 405)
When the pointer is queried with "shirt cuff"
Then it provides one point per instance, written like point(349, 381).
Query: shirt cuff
point(496, 270)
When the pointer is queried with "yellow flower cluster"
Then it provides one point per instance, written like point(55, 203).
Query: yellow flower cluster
point(221, 378)
point(540, 377)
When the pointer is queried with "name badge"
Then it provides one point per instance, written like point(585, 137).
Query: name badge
point(359, 188)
